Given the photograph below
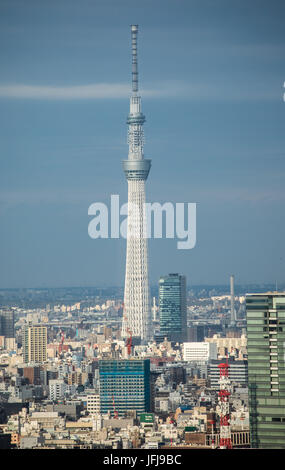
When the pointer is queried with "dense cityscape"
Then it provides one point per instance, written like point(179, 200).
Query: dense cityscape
point(68, 378)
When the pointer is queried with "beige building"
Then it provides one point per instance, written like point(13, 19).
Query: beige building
point(35, 344)
point(229, 344)
point(93, 403)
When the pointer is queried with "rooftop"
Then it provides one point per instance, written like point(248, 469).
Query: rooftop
point(268, 293)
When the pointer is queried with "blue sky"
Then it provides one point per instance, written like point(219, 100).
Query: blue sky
point(211, 74)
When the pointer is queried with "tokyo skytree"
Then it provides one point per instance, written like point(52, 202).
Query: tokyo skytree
point(137, 314)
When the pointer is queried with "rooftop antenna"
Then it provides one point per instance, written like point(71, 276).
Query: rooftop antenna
point(135, 75)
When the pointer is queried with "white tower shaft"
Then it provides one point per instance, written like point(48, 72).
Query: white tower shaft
point(233, 313)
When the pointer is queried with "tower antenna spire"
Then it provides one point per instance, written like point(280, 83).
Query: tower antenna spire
point(135, 75)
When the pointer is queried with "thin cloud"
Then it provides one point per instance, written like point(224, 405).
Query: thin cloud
point(93, 91)
point(207, 91)
point(79, 92)
point(216, 90)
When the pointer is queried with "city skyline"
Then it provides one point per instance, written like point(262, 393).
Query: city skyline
point(137, 314)
point(212, 84)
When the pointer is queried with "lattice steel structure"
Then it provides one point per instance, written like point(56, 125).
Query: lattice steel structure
point(224, 395)
point(137, 316)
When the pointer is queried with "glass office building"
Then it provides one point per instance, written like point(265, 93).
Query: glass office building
point(172, 307)
point(266, 370)
point(7, 323)
point(124, 386)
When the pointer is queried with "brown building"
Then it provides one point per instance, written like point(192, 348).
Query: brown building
point(108, 332)
point(74, 378)
point(240, 439)
point(32, 374)
point(15, 439)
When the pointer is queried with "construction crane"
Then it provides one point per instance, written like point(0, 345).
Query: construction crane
point(212, 422)
point(171, 422)
point(129, 342)
point(130, 338)
point(116, 414)
point(60, 348)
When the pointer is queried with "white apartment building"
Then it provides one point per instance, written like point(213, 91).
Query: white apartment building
point(57, 389)
point(199, 352)
point(93, 403)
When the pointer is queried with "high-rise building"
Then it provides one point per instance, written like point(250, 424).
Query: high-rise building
point(34, 344)
point(124, 386)
point(265, 314)
point(7, 323)
point(172, 307)
point(137, 313)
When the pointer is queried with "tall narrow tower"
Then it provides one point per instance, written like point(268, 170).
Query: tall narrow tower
point(137, 317)
point(233, 314)
point(224, 395)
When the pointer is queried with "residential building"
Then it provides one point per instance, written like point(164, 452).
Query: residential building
point(57, 389)
point(93, 403)
point(35, 344)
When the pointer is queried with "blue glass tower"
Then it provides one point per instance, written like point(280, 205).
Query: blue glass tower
point(124, 386)
point(172, 307)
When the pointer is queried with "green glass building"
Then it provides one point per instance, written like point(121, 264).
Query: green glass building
point(172, 307)
point(126, 384)
point(265, 315)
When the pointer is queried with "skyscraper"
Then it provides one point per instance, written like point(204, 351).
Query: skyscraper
point(172, 307)
point(137, 316)
point(266, 368)
point(124, 385)
point(7, 328)
point(7, 323)
point(34, 344)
